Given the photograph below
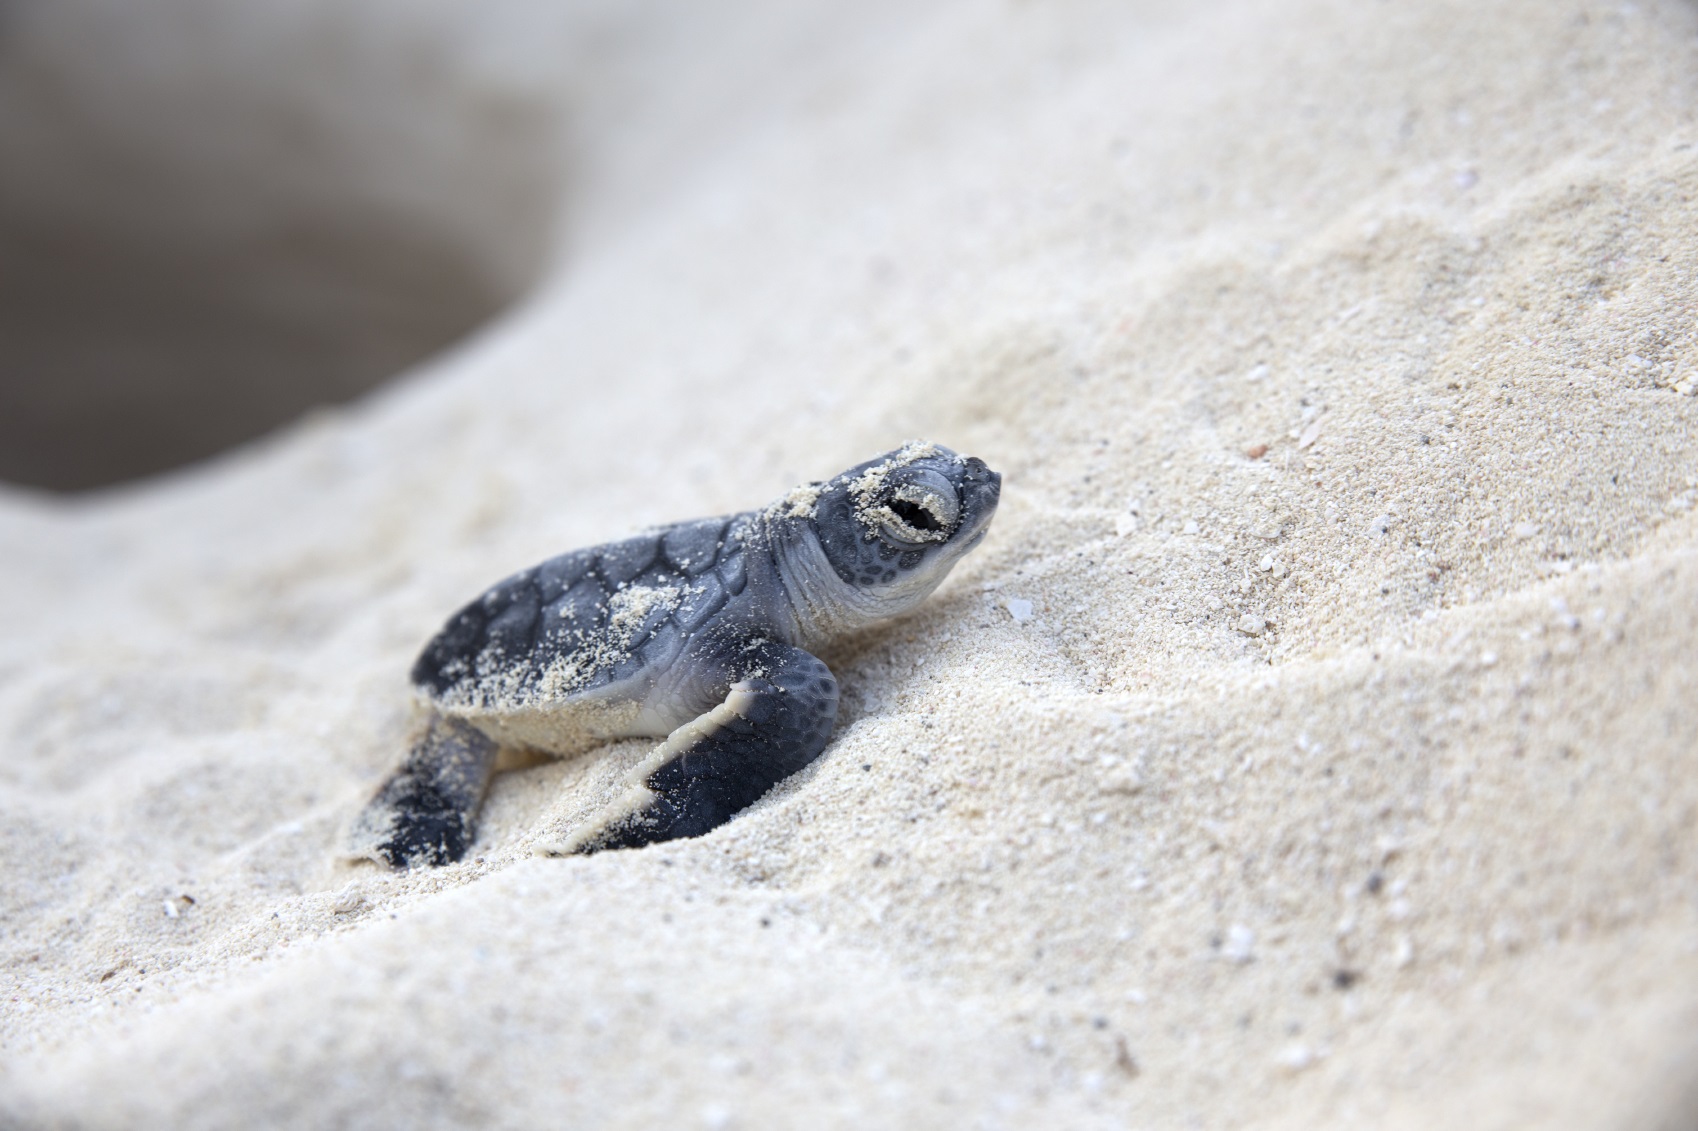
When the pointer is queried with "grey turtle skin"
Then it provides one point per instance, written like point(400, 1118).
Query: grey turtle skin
point(701, 632)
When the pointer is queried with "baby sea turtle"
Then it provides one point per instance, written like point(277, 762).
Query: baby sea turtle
point(701, 632)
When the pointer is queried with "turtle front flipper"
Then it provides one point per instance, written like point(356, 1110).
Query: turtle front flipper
point(425, 813)
point(774, 721)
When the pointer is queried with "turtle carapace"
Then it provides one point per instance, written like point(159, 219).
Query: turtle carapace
point(701, 632)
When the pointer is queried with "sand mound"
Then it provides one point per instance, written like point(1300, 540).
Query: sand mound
point(1310, 744)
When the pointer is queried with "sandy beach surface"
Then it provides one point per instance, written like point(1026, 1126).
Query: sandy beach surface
point(1312, 743)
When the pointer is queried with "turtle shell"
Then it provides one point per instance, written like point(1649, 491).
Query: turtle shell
point(583, 621)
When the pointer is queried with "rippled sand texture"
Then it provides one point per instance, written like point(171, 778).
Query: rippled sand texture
point(1311, 743)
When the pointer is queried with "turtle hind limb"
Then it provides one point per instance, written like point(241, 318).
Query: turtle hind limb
point(426, 812)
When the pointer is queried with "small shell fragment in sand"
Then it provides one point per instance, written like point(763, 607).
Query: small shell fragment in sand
point(1120, 778)
point(1296, 1058)
point(1240, 945)
point(1525, 530)
point(1256, 451)
point(1404, 954)
point(1252, 625)
point(1019, 608)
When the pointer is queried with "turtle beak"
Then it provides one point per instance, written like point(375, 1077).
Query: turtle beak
point(981, 488)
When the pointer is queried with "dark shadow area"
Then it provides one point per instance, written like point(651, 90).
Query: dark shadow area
point(120, 357)
point(213, 219)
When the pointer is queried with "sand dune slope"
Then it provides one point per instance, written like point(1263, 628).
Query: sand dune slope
point(1340, 360)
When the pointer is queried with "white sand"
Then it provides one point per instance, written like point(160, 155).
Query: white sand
point(1417, 850)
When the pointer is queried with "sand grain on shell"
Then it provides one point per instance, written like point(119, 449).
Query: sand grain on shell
point(1348, 782)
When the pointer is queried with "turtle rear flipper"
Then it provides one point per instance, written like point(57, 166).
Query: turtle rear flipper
point(770, 725)
point(425, 813)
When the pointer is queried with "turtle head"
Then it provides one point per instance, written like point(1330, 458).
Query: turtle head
point(892, 528)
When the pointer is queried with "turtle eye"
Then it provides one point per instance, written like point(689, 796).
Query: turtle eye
point(916, 516)
point(919, 511)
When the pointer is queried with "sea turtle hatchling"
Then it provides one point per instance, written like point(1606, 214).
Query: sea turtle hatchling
point(701, 632)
